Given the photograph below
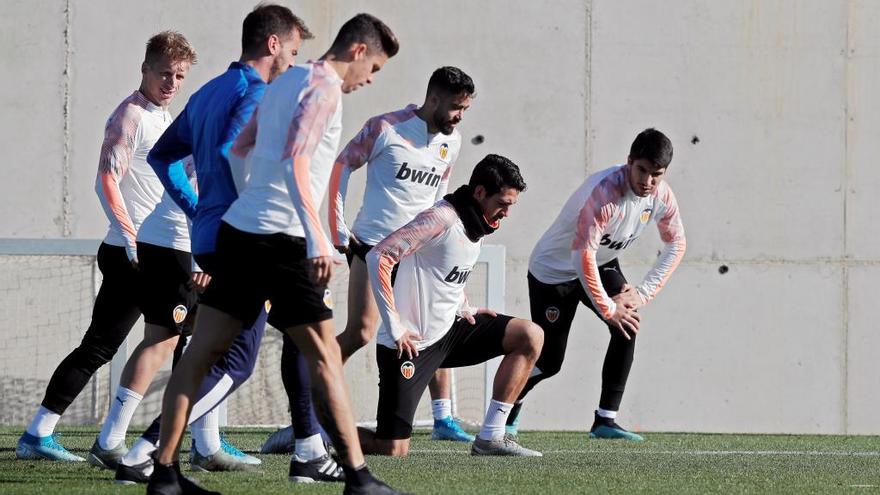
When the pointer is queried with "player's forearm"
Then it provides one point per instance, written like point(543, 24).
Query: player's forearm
point(666, 263)
point(352, 157)
point(177, 184)
point(379, 268)
point(305, 133)
point(336, 211)
point(584, 261)
point(110, 197)
point(300, 190)
point(166, 159)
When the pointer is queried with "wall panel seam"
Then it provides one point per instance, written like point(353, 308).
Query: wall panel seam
point(66, 208)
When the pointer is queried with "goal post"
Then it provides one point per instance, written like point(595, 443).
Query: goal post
point(494, 257)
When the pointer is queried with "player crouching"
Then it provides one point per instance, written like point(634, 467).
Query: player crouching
point(427, 322)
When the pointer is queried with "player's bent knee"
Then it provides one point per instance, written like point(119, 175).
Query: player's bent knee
point(400, 449)
point(528, 338)
point(535, 339)
point(365, 335)
point(359, 336)
point(388, 447)
point(382, 446)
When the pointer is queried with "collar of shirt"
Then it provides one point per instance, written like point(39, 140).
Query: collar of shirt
point(146, 103)
point(325, 69)
point(249, 71)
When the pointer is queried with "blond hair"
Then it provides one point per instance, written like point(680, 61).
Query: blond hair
point(172, 45)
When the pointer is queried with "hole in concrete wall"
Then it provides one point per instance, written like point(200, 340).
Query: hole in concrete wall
point(695, 139)
point(723, 269)
point(478, 139)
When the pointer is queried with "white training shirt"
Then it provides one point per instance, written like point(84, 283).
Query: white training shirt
point(126, 184)
point(290, 143)
point(436, 257)
point(408, 170)
point(598, 222)
point(167, 226)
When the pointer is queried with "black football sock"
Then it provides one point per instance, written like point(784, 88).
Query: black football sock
point(357, 476)
point(514, 413)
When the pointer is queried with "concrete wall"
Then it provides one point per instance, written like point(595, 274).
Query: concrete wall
point(771, 106)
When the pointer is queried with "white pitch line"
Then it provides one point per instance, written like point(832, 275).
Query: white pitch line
point(768, 453)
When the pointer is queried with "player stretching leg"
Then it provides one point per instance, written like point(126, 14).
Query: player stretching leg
point(409, 155)
point(271, 246)
point(576, 261)
point(167, 297)
point(427, 322)
point(128, 190)
point(207, 127)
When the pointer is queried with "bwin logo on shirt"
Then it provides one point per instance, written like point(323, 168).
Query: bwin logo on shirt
point(457, 276)
point(418, 176)
point(616, 245)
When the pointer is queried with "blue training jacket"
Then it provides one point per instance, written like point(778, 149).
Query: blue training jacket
point(206, 129)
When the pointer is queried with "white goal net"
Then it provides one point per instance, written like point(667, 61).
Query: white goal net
point(46, 294)
point(48, 288)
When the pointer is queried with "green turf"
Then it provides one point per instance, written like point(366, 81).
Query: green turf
point(665, 463)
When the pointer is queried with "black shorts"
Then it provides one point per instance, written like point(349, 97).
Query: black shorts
point(207, 262)
point(403, 381)
point(360, 250)
point(254, 268)
point(167, 295)
point(553, 305)
point(115, 267)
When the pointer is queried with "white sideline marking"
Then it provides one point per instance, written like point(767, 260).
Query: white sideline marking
point(781, 453)
point(862, 486)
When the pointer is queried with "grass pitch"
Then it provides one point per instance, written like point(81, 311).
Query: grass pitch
point(665, 463)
